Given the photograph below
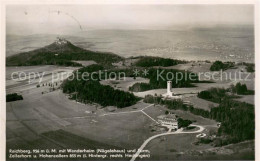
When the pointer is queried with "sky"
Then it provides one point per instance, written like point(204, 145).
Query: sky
point(68, 19)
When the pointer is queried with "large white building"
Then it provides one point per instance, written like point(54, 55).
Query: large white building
point(169, 121)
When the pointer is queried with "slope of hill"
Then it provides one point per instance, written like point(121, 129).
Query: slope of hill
point(61, 52)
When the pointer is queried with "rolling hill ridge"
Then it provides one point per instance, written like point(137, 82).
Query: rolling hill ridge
point(61, 52)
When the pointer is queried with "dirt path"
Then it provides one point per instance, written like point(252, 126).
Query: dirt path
point(179, 131)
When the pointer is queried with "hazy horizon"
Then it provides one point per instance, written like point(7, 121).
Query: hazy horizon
point(71, 19)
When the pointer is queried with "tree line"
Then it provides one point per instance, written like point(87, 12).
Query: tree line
point(92, 91)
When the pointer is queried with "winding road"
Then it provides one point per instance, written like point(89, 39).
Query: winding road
point(179, 131)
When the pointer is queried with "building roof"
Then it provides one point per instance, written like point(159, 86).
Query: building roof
point(169, 117)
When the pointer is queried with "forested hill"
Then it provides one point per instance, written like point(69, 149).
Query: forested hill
point(61, 52)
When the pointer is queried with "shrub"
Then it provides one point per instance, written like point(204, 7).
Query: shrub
point(240, 89)
point(13, 97)
point(205, 95)
point(219, 65)
point(183, 123)
point(205, 141)
point(250, 67)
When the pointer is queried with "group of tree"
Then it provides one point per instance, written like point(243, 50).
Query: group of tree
point(151, 99)
point(91, 91)
point(215, 94)
point(241, 89)
point(183, 123)
point(13, 97)
point(149, 61)
point(237, 118)
point(219, 65)
point(250, 67)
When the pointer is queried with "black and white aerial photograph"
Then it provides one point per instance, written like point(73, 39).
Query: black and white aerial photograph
point(129, 82)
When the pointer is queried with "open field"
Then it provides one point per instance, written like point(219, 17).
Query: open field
point(41, 113)
point(247, 98)
point(48, 119)
point(22, 78)
point(35, 119)
point(200, 103)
